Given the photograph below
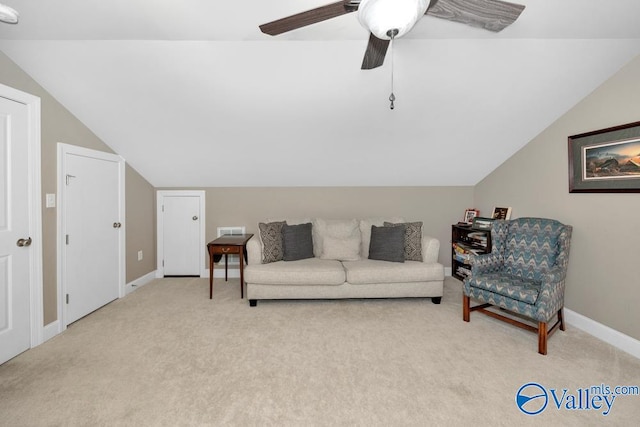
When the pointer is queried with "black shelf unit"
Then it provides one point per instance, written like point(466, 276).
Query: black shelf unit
point(465, 242)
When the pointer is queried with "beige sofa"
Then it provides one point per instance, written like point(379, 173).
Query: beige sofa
point(325, 277)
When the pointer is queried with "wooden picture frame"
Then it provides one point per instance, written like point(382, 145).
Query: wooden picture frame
point(606, 160)
point(469, 215)
point(501, 213)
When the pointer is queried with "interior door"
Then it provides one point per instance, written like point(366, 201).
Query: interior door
point(92, 234)
point(15, 323)
point(181, 235)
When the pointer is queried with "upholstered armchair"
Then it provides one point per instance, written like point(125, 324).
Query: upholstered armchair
point(523, 274)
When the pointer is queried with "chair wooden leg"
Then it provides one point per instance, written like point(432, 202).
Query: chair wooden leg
point(561, 318)
point(466, 302)
point(542, 338)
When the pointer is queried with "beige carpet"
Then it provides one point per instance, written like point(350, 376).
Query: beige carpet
point(167, 355)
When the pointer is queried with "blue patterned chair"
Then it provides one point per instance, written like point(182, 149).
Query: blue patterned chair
point(524, 274)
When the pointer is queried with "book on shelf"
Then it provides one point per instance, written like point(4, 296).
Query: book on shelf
point(463, 271)
point(466, 249)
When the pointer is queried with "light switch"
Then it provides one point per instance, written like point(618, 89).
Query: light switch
point(51, 200)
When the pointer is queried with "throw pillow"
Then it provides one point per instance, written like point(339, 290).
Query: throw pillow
point(387, 243)
point(365, 231)
point(346, 249)
point(412, 240)
point(271, 236)
point(336, 228)
point(297, 242)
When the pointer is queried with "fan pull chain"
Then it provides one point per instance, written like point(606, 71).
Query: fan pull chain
point(392, 97)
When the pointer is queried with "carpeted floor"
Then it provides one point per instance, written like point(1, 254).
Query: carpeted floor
point(167, 355)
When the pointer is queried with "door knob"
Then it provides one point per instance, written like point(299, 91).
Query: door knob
point(195, 218)
point(24, 242)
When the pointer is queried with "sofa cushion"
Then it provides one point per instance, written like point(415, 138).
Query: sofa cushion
point(514, 287)
point(367, 271)
point(365, 231)
point(310, 271)
point(271, 238)
point(412, 239)
point(297, 242)
point(387, 243)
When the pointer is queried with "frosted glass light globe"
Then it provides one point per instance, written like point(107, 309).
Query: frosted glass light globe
point(381, 16)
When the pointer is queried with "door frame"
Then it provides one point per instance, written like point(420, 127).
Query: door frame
point(63, 150)
point(34, 191)
point(160, 195)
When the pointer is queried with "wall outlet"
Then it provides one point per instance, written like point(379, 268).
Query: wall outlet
point(139, 255)
point(50, 200)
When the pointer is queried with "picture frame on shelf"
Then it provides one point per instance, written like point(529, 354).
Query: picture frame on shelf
point(501, 213)
point(480, 223)
point(469, 215)
point(606, 160)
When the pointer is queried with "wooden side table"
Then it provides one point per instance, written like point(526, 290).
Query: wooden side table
point(228, 245)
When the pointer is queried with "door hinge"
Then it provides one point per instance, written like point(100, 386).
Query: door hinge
point(163, 263)
point(162, 208)
point(67, 298)
point(66, 239)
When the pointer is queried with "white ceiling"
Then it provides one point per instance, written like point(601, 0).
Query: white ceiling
point(191, 93)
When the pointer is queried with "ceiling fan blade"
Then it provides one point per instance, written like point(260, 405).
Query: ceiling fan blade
point(492, 15)
point(375, 53)
point(309, 17)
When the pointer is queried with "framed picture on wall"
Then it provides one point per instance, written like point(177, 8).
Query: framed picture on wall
point(469, 215)
point(501, 213)
point(605, 161)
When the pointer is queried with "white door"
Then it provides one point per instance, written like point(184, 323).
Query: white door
point(15, 326)
point(92, 228)
point(181, 236)
point(180, 232)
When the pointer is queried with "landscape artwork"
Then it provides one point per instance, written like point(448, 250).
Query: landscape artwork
point(612, 160)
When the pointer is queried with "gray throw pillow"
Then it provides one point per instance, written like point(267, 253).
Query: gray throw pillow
point(271, 236)
point(412, 239)
point(387, 243)
point(297, 242)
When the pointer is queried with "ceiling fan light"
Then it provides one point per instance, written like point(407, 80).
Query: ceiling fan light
point(8, 15)
point(380, 16)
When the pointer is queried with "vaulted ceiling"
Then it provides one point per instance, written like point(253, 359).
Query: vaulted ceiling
point(191, 93)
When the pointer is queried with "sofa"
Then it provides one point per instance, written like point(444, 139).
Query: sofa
point(339, 263)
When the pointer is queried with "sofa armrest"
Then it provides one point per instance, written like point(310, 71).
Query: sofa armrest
point(430, 249)
point(254, 251)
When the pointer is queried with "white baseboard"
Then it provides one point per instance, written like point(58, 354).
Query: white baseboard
point(604, 333)
point(51, 330)
point(139, 282)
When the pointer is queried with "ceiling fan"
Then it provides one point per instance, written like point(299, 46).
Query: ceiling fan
point(389, 19)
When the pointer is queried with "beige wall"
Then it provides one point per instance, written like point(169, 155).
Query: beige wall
point(140, 226)
point(59, 125)
point(603, 282)
point(437, 207)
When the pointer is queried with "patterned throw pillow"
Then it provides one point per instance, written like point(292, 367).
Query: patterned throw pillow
point(412, 240)
point(387, 243)
point(271, 236)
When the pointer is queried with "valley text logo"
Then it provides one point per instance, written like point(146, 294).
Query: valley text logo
point(533, 398)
